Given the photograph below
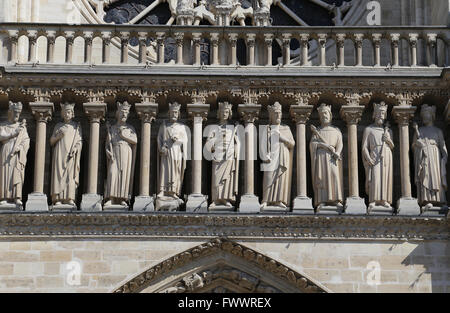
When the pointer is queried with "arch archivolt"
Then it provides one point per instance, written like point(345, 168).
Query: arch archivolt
point(220, 265)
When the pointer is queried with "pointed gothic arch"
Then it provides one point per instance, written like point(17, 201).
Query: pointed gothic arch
point(220, 265)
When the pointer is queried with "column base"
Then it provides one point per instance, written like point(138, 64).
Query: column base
point(303, 205)
point(63, 208)
point(91, 203)
point(355, 206)
point(37, 201)
point(143, 204)
point(168, 204)
point(249, 204)
point(408, 206)
point(10, 207)
point(197, 203)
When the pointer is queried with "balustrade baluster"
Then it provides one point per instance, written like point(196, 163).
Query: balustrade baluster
point(196, 40)
point(251, 42)
point(268, 39)
point(233, 43)
point(51, 38)
point(179, 38)
point(431, 49)
point(14, 39)
point(340, 46)
point(88, 37)
point(359, 49)
point(69, 46)
point(413, 44)
point(32, 39)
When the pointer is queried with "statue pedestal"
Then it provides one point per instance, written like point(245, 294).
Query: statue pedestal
point(408, 206)
point(221, 209)
point(330, 209)
point(197, 203)
point(116, 208)
point(434, 211)
point(355, 206)
point(249, 204)
point(274, 209)
point(37, 202)
point(168, 204)
point(91, 202)
point(63, 208)
point(143, 204)
point(380, 210)
point(10, 207)
point(303, 205)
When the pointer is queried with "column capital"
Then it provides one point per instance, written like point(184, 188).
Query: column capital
point(352, 114)
point(395, 37)
point(353, 98)
point(95, 111)
point(376, 38)
point(403, 114)
point(431, 38)
point(214, 38)
point(413, 38)
point(146, 111)
point(42, 111)
point(268, 39)
point(300, 113)
point(198, 110)
point(405, 98)
point(249, 112)
point(251, 39)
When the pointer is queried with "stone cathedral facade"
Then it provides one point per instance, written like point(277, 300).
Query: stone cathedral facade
point(224, 146)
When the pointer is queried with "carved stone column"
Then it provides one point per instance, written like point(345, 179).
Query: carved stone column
point(249, 201)
point(95, 111)
point(407, 205)
point(376, 41)
point(300, 114)
point(352, 115)
point(197, 202)
point(42, 111)
point(146, 112)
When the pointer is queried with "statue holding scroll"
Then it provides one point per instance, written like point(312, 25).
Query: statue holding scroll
point(15, 143)
point(67, 142)
point(121, 142)
point(430, 160)
point(377, 147)
point(326, 161)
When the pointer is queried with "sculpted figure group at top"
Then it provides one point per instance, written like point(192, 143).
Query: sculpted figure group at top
point(224, 142)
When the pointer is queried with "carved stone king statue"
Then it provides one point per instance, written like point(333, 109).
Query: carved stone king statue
point(276, 144)
point(67, 142)
point(377, 147)
point(430, 161)
point(13, 158)
point(326, 163)
point(172, 155)
point(120, 147)
point(224, 144)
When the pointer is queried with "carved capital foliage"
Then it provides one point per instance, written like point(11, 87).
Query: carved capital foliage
point(403, 114)
point(251, 39)
point(300, 113)
point(354, 98)
point(199, 95)
point(405, 98)
point(250, 96)
point(42, 111)
point(249, 112)
point(352, 114)
point(147, 111)
point(197, 111)
point(95, 111)
point(40, 94)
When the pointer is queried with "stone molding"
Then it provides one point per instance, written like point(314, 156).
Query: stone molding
point(231, 225)
point(255, 258)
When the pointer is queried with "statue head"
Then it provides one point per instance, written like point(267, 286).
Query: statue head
point(428, 114)
point(380, 112)
point(275, 113)
point(15, 108)
point(174, 111)
point(123, 110)
point(325, 114)
point(67, 111)
point(225, 111)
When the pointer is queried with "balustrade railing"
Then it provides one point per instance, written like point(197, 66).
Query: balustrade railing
point(233, 45)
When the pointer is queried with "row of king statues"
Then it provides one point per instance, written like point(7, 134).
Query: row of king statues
point(224, 143)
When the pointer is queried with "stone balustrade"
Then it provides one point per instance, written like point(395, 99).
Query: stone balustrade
point(232, 45)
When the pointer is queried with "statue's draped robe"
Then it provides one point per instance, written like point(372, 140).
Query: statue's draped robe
point(121, 167)
point(430, 165)
point(379, 178)
point(277, 180)
point(327, 173)
point(223, 139)
point(65, 171)
point(12, 165)
point(173, 164)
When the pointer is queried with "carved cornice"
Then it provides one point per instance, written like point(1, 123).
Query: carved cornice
point(249, 112)
point(42, 111)
point(403, 114)
point(300, 113)
point(146, 111)
point(255, 258)
point(352, 114)
point(232, 225)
